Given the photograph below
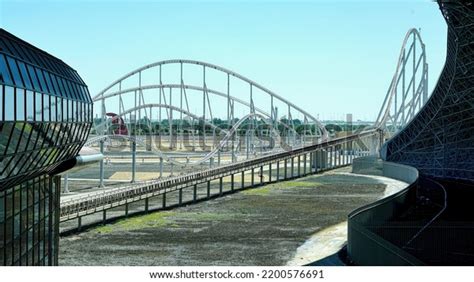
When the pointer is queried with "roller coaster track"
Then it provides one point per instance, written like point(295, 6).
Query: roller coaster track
point(228, 135)
point(325, 154)
point(90, 203)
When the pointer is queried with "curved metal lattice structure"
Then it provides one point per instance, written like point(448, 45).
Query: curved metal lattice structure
point(438, 141)
point(179, 102)
point(408, 90)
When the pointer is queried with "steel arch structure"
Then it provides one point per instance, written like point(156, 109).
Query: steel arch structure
point(102, 95)
point(228, 134)
point(438, 141)
point(160, 92)
point(408, 90)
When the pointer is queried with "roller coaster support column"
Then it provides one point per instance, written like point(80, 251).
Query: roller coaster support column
point(218, 157)
point(101, 171)
point(134, 155)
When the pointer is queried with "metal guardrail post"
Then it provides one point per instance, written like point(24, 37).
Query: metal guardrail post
point(104, 217)
point(269, 172)
point(208, 189)
point(194, 192)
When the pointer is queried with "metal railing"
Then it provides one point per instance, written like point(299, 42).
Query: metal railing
point(85, 204)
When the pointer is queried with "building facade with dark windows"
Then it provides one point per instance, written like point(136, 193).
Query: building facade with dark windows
point(45, 118)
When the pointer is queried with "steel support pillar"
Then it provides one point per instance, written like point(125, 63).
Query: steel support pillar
point(208, 189)
point(252, 181)
point(278, 171)
point(194, 192)
point(269, 172)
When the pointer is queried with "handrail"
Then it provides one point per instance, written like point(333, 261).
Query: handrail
point(361, 239)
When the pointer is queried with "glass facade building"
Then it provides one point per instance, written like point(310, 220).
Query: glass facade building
point(45, 118)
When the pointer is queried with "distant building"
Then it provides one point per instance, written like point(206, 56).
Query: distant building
point(45, 118)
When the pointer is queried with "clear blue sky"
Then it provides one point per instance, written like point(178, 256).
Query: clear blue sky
point(329, 57)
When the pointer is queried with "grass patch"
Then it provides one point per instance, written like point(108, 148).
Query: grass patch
point(156, 219)
point(265, 190)
point(204, 216)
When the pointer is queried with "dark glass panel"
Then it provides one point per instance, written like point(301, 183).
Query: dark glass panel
point(30, 55)
point(77, 90)
point(15, 72)
point(33, 136)
point(57, 91)
point(10, 48)
point(4, 72)
point(1, 106)
point(34, 79)
point(49, 82)
point(24, 74)
point(41, 80)
point(64, 91)
point(69, 90)
point(4, 131)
